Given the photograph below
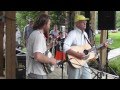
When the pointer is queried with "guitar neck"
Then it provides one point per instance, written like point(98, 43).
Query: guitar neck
point(98, 47)
point(101, 45)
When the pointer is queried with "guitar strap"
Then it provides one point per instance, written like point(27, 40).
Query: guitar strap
point(87, 40)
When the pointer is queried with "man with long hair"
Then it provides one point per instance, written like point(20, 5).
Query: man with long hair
point(36, 49)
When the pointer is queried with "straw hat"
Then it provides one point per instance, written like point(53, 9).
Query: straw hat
point(80, 18)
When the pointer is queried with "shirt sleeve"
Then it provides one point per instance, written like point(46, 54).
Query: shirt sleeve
point(68, 41)
point(24, 32)
point(37, 46)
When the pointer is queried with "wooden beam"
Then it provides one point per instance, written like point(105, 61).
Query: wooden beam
point(10, 45)
point(93, 20)
point(103, 52)
point(1, 45)
point(93, 25)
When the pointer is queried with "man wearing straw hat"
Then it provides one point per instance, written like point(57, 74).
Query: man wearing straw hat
point(77, 37)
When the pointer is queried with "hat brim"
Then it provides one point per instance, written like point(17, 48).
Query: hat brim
point(85, 19)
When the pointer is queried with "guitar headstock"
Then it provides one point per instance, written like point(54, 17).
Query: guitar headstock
point(109, 41)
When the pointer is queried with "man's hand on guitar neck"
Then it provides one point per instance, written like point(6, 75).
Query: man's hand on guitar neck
point(106, 45)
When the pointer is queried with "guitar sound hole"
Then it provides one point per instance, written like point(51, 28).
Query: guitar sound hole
point(86, 52)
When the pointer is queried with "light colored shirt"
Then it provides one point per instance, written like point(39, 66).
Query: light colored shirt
point(36, 43)
point(27, 31)
point(18, 36)
point(54, 33)
point(75, 37)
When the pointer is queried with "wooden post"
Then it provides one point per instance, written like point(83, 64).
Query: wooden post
point(93, 20)
point(103, 52)
point(10, 45)
point(93, 25)
point(1, 44)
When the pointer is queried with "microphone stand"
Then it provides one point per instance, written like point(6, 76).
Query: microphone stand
point(63, 61)
point(107, 67)
point(98, 74)
point(62, 66)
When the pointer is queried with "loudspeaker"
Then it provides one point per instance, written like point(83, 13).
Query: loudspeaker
point(106, 20)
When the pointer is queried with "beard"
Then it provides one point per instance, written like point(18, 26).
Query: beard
point(46, 33)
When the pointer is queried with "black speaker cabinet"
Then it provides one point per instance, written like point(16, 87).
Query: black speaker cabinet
point(106, 20)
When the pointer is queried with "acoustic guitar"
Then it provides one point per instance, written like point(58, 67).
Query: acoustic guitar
point(89, 51)
point(48, 67)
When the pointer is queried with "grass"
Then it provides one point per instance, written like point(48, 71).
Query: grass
point(115, 64)
point(114, 36)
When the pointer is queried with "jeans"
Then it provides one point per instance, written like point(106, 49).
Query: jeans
point(35, 76)
point(79, 73)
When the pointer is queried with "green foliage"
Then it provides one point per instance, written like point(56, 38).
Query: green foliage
point(57, 17)
point(22, 17)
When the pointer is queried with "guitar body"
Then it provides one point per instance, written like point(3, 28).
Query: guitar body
point(48, 67)
point(76, 63)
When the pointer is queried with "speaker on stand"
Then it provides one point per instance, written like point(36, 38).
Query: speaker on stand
point(106, 20)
